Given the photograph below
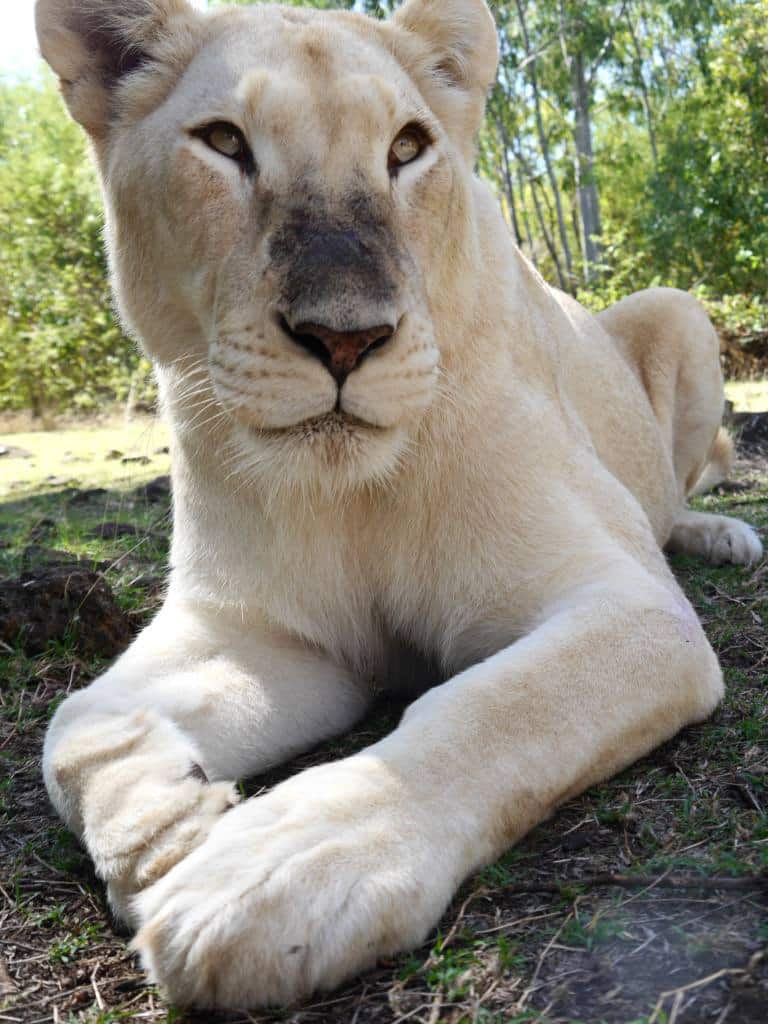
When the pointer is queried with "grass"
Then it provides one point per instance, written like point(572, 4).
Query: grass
point(536, 937)
point(83, 456)
point(748, 395)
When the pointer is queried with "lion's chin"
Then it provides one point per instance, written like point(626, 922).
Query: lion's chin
point(333, 453)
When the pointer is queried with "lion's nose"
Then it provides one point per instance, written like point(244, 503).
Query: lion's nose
point(341, 351)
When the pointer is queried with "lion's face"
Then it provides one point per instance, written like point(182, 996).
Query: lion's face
point(293, 236)
point(287, 199)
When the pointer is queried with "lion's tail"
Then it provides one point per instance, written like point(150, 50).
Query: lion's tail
point(721, 459)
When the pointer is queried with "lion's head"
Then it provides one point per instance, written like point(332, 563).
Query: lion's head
point(287, 194)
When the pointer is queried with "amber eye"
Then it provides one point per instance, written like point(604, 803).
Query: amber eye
point(407, 147)
point(228, 140)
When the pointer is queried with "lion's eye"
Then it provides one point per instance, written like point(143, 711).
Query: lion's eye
point(228, 140)
point(407, 147)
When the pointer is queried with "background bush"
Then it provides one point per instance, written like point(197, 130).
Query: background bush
point(626, 141)
point(60, 346)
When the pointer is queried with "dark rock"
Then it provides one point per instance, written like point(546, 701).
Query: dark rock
point(141, 460)
point(112, 455)
point(85, 497)
point(63, 603)
point(156, 490)
point(165, 450)
point(751, 430)
point(586, 836)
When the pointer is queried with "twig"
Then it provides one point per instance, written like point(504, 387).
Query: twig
point(95, 987)
point(642, 882)
point(476, 894)
point(437, 1005)
point(677, 993)
point(518, 922)
point(520, 1004)
point(654, 885)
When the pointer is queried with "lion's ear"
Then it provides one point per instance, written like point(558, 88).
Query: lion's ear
point(92, 44)
point(450, 47)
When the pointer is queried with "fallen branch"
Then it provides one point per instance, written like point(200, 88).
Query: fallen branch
point(643, 881)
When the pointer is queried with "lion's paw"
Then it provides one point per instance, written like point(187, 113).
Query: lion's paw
point(294, 892)
point(718, 539)
point(188, 819)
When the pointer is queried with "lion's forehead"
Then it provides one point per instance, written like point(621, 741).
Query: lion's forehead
point(349, 114)
point(334, 63)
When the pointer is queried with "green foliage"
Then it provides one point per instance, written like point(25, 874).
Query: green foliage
point(706, 209)
point(59, 343)
point(678, 106)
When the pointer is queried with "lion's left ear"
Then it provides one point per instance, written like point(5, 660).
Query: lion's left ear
point(451, 49)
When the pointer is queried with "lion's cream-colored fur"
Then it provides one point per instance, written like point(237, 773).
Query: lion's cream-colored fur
point(476, 514)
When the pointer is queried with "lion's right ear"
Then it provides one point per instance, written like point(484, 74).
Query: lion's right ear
point(93, 44)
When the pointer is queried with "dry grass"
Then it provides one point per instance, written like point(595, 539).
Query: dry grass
point(539, 936)
point(106, 453)
point(748, 395)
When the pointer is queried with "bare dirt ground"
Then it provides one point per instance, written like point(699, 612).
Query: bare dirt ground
point(642, 901)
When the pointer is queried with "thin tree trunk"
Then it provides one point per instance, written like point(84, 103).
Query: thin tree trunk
point(508, 179)
point(578, 227)
point(546, 234)
point(565, 285)
point(644, 91)
point(551, 212)
point(544, 143)
point(575, 220)
point(509, 93)
point(589, 202)
point(524, 212)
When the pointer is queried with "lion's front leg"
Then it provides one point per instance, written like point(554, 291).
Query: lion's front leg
point(300, 889)
point(142, 763)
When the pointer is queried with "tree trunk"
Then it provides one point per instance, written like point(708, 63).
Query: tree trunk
point(510, 188)
point(589, 202)
point(644, 91)
point(509, 180)
point(548, 239)
point(524, 212)
point(531, 60)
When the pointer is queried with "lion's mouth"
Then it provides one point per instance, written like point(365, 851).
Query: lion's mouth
point(332, 424)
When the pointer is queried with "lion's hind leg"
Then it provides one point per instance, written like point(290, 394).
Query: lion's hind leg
point(715, 538)
point(718, 539)
point(718, 469)
point(667, 337)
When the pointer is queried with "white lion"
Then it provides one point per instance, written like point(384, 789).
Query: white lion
point(397, 454)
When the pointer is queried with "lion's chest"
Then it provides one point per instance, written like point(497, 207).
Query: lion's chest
point(417, 577)
point(408, 607)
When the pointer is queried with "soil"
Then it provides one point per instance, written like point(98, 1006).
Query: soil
point(60, 603)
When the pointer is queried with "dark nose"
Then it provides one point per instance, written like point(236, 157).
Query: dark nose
point(341, 351)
